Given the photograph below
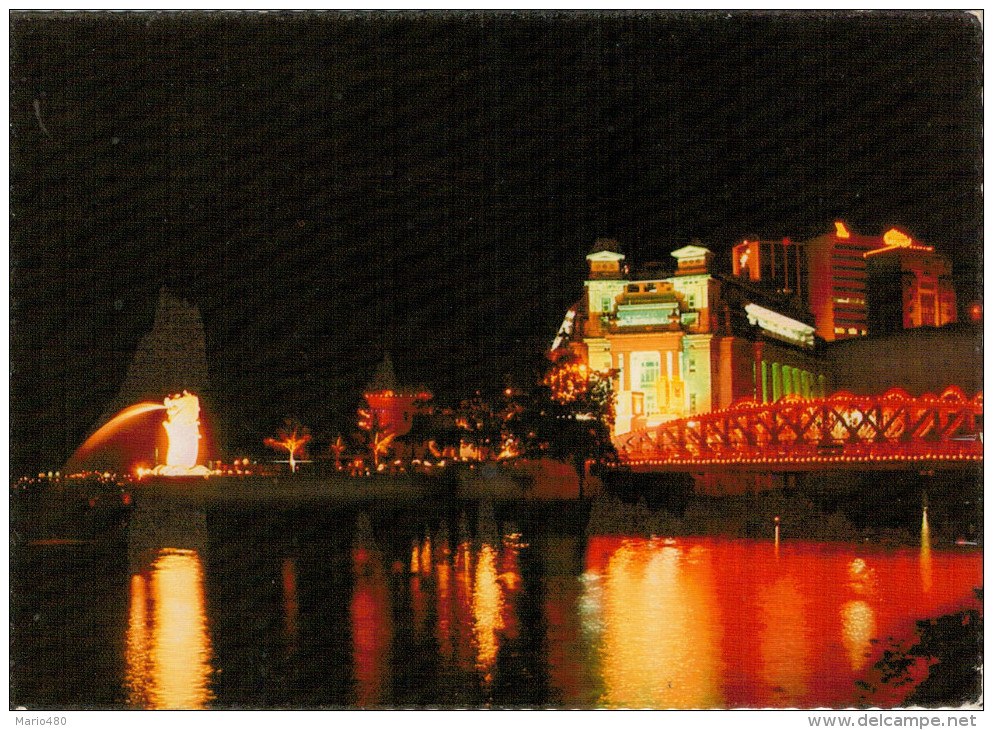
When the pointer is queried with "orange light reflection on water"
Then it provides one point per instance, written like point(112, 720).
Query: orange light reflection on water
point(785, 649)
point(660, 644)
point(291, 607)
point(487, 609)
point(927, 579)
point(168, 662)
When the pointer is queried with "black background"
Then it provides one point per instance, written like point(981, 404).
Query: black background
point(329, 187)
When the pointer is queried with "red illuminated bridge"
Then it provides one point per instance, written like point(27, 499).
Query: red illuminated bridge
point(796, 433)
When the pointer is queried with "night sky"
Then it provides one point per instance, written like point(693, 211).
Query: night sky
point(329, 187)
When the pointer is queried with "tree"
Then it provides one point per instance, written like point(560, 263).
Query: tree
point(338, 448)
point(480, 422)
point(377, 438)
point(379, 444)
point(292, 438)
point(568, 417)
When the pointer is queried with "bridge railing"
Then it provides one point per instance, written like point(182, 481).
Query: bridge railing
point(840, 427)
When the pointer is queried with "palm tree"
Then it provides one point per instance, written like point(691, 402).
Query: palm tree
point(379, 443)
point(292, 438)
point(337, 448)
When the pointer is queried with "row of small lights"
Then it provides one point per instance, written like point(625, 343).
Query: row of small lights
point(239, 468)
point(891, 395)
point(805, 459)
point(950, 396)
point(58, 476)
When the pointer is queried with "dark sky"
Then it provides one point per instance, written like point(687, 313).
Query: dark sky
point(327, 186)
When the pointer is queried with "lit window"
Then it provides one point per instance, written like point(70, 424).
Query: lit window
point(649, 376)
point(839, 330)
point(852, 331)
point(649, 287)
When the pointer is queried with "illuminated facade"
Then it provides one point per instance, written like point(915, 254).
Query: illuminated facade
point(836, 272)
point(391, 408)
point(689, 342)
point(909, 285)
point(779, 264)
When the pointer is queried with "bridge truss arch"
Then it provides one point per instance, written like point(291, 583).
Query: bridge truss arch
point(794, 431)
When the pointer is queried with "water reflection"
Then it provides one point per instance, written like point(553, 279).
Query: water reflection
point(291, 607)
point(785, 644)
point(372, 627)
point(487, 605)
point(617, 622)
point(660, 641)
point(723, 623)
point(168, 657)
point(858, 629)
point(858, 619)
point(925, 557)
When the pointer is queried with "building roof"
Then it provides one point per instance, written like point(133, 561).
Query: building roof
point(385, 378)
point(606, 244)
point(690, 251)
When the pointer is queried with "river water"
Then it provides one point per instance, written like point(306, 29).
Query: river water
point(461, 607)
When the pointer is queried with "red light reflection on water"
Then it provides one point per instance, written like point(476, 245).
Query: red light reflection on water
point(710, 623)
point(291, 607)
point(372, 628)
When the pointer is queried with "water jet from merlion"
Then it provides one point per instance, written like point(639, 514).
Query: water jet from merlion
point(168, 372)
point(182, 429)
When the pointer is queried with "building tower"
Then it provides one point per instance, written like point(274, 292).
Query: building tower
point(909, 285)
point(781, 265)
point(836, 275)
point(391, 408)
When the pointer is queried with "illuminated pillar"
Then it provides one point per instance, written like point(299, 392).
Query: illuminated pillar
point(765, 382)
point(795, 373)
point(777, 381)
point(807, 389)
point(787, 373)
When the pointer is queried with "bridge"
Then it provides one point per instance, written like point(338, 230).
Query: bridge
point(891, 431)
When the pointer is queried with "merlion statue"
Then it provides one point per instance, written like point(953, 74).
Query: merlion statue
point(182, 427)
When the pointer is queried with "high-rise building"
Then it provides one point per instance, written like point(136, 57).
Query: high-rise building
point(909, 285)
point(836, 276)
point(781, 265)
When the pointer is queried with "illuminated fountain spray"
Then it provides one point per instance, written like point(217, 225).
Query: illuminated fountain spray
point(182, 426)
point(109, 429)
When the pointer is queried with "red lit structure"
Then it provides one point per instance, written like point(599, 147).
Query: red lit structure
point(793, 432)
point(779, 264)
point(391, 408)
point(836, 272)
point(908, 285)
